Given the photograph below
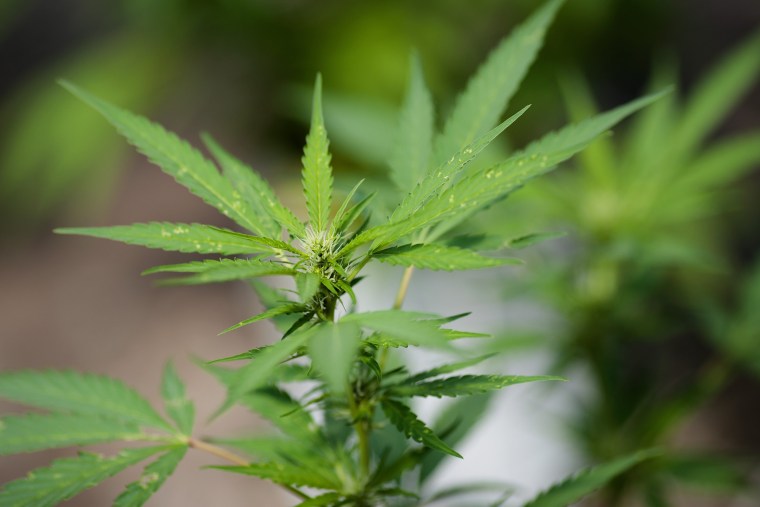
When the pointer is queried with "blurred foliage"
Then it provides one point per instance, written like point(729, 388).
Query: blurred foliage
point(136, 50)
point(645, 267)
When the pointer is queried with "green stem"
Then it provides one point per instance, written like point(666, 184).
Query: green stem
point(403, 288)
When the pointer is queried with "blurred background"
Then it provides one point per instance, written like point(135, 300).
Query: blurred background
point(650, 303)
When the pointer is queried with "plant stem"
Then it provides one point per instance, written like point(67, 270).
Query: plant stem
point(403, 288)
point(362, 434)
point(400, 296)
point(234, 458)
point(217, 451)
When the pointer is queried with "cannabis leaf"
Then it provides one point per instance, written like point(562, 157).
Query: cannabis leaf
point(404, 419)
point(65, 478)
point(152, 478)
point(317, 173)
point(80, 393)
point(588, 480)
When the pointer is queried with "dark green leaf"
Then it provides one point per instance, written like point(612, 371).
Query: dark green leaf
point(287, 309)
point(406, 422)
point(465, 385)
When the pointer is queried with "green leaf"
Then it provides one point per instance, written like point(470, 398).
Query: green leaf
point(575, 487)
point(35, 432)
point(405, 327)
point(439, 257)
point(447, 368)
point(317, 173)
point(65, 478)
point(414, 136)
point(481, 188)
point(442, 177)
point(256, 373)
point(152, 478)
point(176, 158)
point(258, 194)
point(192, 238)
point(178, 406)
point(284, 412)
point(289, 474)
point(80, 393)
point(716, 95)
point(286, 309)
point(223, 270)
point(465, 385)
point(406, 422)
point(488, 92)
point(333, 351)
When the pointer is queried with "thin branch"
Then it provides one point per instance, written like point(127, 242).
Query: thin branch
point(237, 460)
point(403, 288)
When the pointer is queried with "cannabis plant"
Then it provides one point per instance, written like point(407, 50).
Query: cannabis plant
point(645, 271)
point(351, 437)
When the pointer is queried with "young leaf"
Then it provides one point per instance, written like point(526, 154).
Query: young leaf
point(405, 327)
point(35, 432)
point(317, 173)
point(414, 136)
point(65, 478)
point(286, 309)
point(271, 213)
point(333, 350)
point(588, 480)
point(406, 422)
point(465, 385)
point(193, 238)
point(80, 393)
point(223, 270)
point(152, 478)
point(178, 406)
point(289, 474)
point(176, 158)
point(488, 92)
point(439, 257)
